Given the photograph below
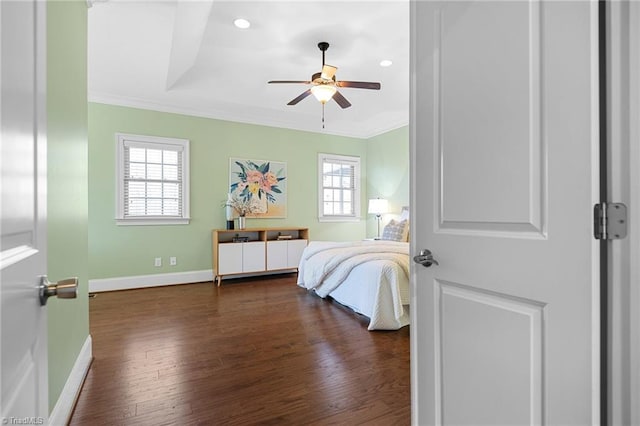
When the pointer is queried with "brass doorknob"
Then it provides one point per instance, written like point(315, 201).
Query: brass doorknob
point(63, 289)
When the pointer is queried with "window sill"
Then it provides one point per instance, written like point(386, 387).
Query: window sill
point(148, 221)
point(338, 219)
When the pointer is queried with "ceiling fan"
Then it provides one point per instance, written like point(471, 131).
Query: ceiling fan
point(324, 85)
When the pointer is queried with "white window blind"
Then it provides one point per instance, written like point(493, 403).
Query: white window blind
point(339, 187)
point(153, 180)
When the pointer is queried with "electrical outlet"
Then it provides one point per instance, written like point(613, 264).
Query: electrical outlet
point(158, 261)
point(173, 261)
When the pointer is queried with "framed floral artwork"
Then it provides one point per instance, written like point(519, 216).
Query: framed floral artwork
point(259, 186)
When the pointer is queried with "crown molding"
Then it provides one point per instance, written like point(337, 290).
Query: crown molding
point(245, 118)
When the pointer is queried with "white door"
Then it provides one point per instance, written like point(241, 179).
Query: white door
point(23, 209)
point(504, 140)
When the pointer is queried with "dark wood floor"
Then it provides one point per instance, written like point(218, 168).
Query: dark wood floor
point(252, 351)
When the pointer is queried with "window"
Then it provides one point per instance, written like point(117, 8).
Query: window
point(153, 180)
point(339, 188)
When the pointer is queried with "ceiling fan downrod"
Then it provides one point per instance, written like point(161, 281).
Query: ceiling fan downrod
point(323, 46)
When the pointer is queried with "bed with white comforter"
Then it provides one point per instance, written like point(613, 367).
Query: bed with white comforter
point(370, 277)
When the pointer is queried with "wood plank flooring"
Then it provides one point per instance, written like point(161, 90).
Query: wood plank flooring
point(254, 351)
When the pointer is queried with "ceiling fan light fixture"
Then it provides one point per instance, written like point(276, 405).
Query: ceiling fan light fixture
point(241, 23)
point(323, 92)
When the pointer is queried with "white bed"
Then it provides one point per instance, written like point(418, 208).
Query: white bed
point(370, 277)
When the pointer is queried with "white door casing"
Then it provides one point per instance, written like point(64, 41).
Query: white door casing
point(632, 326)
point(504, 148)
point(23, 350)
point(623, 178)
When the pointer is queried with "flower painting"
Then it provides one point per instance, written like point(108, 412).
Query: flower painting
point(260, 183)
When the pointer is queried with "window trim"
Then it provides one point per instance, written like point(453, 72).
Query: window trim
point(160, 143)
point(322, 157)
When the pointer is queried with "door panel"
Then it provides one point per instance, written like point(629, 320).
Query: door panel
point(504, 143)
point(490, 135)
point(491, 348)
point(23, 211)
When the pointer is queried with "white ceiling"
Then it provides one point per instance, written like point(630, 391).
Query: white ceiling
point(187, 57)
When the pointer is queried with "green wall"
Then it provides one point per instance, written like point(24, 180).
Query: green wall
point(67, 184)
point(117, 251)
point(388, 172)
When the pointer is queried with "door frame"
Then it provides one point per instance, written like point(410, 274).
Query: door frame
point(634, 235)
point(623, 174)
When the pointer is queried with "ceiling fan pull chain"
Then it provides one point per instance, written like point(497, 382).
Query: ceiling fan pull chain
point(323, 116)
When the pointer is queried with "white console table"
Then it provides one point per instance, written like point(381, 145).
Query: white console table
point(264, 251)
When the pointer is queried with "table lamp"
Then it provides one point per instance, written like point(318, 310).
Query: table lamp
point(378, 206)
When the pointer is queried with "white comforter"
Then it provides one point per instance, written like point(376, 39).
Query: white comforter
point(325, 266)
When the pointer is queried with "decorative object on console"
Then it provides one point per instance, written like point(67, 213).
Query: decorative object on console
point(242, 222)
point(240, 206)
point(228, 207)
point(260, 186)
point(378, 207)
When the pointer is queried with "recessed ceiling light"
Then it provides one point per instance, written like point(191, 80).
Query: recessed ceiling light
point(385, 63)
point(242, 23)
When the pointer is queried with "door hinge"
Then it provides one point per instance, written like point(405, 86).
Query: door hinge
point(609, 221)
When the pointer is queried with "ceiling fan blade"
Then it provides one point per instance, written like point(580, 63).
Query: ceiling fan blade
point(301, 97)
point(341, 100)
point(328, 71)
point(287, 82)
point(359, 84)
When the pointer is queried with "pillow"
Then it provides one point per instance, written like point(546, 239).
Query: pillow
point(395, 231)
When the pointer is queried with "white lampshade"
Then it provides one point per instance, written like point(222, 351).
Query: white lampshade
point(323, 92)
point(378, 206)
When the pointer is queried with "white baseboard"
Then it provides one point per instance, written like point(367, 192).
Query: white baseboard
point(61, 413)
point(155, 280)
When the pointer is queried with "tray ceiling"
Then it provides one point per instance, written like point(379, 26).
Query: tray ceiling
point(188, 57)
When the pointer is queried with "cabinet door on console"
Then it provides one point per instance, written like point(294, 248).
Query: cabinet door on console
point(253, 257)
point(277, 255)
point(284, 254)
point(229, 258)
point(294, 252)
